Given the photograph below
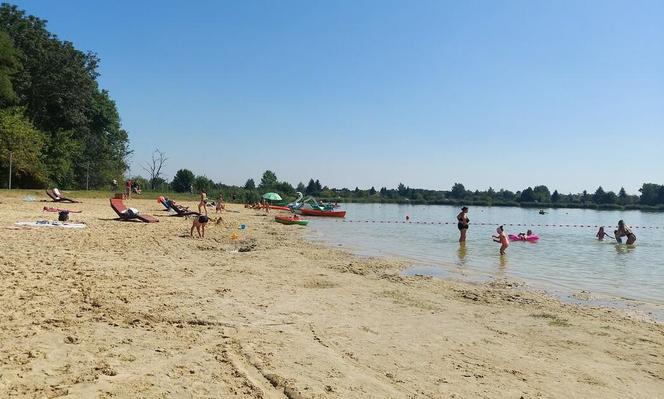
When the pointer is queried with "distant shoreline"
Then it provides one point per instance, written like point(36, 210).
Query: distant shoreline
point(536, 205)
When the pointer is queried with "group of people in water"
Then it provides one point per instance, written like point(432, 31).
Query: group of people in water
point(463, 222)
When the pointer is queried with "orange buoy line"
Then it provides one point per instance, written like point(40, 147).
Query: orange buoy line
point(494, 224)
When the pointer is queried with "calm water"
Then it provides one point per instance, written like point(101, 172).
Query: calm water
point(565, 260)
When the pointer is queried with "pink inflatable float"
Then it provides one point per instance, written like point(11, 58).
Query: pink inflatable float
point(531, 238)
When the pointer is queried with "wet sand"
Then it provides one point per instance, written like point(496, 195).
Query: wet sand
point(124, 309)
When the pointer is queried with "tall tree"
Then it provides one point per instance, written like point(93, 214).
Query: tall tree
point(57, 86)
point(154, 166)
point(8, 66)
point(20, 140)
point(250, 185)
point(183, 181)
point(268, 180)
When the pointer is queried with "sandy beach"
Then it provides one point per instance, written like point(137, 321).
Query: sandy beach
point(125, 310)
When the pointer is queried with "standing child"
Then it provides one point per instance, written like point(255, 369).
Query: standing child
point(601, 234)
point(199, 224)
point(220, 203)
point(502, 239)
point(202, 204)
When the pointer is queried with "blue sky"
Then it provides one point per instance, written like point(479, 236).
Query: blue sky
point(358, 93)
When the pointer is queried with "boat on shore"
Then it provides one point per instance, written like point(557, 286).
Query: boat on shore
point(289, 220)
point(320, 212)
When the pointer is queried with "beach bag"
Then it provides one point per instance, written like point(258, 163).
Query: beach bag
point(63, 216)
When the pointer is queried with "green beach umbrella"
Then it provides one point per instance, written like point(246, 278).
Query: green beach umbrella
point(272, 196)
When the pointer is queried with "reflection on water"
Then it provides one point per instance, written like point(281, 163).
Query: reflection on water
point(565, 258)
point(461, 253)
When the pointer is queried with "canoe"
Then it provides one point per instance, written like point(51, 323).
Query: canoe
point(290, 220)
point(315, 212)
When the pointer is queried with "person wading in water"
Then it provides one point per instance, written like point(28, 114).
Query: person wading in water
point(462, 225)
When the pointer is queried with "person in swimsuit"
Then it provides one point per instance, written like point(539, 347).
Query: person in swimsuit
point(601, 234)
point(203, 203)
point(462, 223)
point(502, 239)
point(524, 236)
point(220, 203)
point(625, 231)
point(199, 224)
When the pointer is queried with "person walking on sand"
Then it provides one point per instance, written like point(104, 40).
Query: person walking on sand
point(199, 224)
point(462, 223)
point(625, 231)
point(202, 204)
point(502, 239)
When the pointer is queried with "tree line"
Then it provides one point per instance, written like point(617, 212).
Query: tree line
point(651, 195)
point(57, 125)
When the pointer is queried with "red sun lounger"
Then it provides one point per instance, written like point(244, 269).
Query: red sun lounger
point(122, 211)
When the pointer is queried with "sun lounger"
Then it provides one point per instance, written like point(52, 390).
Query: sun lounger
point(59, 198)
point(182, 211)
point(122, 211)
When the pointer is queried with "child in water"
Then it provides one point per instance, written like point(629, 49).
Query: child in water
point(502, 239)
point(524, 236)
point(199, 224)
point(601, 234)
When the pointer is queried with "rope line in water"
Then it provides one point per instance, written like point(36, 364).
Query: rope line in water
point(496, 224)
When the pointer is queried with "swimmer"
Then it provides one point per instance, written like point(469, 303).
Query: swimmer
point(502, 239)
point(524, 236)
point(624, 230)
point(199, 224)
point(601, 234)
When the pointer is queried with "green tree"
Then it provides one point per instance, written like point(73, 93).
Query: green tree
point(651, 194)
point(56, 84)
point(301, 187)
point(542, 194)
point(202, 183)
point(8, 66)
point(458, 191)
point(250, 185)
point(182, 181)
point(20, 138)
point(527, 195)
point(372, 191)
point(600, 196)
point(268, 181)
point(555, 197)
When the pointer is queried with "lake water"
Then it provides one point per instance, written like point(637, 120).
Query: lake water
point(565, 261)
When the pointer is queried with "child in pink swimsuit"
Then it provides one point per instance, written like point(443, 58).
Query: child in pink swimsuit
point(502, 239)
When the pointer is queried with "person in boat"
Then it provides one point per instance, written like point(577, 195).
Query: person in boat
point(203, 202)
point(199, 224)
point(502, 239)
point(220, 204)
point(524, 236)
point(601, 234)
point(462, 223)
point(625, 231)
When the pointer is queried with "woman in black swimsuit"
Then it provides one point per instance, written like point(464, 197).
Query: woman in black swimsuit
point(462, 224)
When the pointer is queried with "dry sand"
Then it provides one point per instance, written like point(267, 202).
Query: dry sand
point(126, 310)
